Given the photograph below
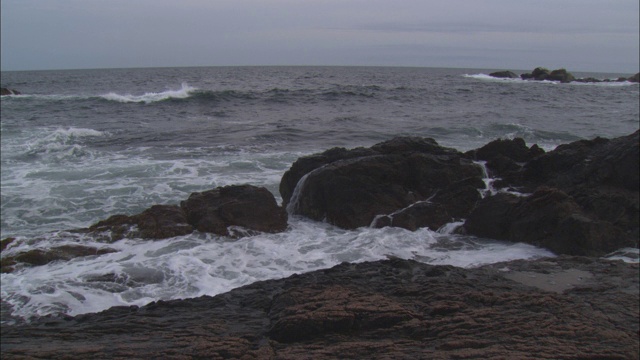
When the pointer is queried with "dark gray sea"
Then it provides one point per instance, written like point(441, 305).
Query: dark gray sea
point(81, 145)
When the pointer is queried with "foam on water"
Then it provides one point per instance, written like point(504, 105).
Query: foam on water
point(201, 264)
point(150, 97)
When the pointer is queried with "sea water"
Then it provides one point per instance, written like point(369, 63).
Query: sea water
point(79, 146)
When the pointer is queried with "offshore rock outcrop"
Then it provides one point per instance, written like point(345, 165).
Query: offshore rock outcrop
point(561, 75)
point(6, 91)
point(565, 307)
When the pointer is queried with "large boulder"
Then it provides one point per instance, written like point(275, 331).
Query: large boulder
point(561, 75)
point(635, 78)
point(249, 207)
point(242, 208)
point(353, 191)
point(548, 218)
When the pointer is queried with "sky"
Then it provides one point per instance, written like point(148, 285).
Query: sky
point(579, 35)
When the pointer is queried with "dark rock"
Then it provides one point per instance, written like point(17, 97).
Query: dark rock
point(574, 307)
point(514, 149)
point(591, 162)
point(7, 91)
point(252, 208)
point(526, 76)
point(635, 78)
point(305, 165)
point(540, 73)
point(505, 155)
point(548, 218)
point(504, 74)
point(157, 222)
point(588, 80)
point(561, 75)
point(4, 243)
point(38, 257)
point(388, 177)
point(491, 217)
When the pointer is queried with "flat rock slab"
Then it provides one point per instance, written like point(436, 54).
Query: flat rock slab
point(556, 282)
point(554, 308)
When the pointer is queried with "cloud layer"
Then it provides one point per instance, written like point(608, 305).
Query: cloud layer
point(583, 35)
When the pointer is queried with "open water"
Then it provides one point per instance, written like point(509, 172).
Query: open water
point(79, 146)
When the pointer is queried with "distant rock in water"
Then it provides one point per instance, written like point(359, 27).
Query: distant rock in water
point(561, 75)
point(504, 74)
point(7, 91)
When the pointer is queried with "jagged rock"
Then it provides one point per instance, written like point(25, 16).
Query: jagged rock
point(505, 155)
point(157, 222)
point(7, 91)
point(573, 307)
point(250, 207)
point(504, 74)
point(561, 75)
point(635, 78)
point(351, 192)
point(548, 218)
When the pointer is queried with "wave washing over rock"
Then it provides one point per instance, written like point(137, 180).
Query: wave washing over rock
point(580, 199)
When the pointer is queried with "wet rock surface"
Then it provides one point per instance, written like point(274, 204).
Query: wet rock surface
point(579, 199)
point(565, 307)
point(353, 190)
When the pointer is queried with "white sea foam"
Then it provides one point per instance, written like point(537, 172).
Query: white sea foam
point(184, 92)
point(201, 264)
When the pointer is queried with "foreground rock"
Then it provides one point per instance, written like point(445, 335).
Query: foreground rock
point(567, 307)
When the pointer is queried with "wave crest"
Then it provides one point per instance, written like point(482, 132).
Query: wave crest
point(150, 97)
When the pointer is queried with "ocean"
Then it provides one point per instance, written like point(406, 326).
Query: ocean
point(81, 145)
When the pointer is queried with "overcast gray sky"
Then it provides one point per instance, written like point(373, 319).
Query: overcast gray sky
point(580, 35)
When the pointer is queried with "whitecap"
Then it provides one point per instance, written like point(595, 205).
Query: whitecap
point(150, 97)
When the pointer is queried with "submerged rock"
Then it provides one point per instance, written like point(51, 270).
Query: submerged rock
point(573, 307)
point(44, 256)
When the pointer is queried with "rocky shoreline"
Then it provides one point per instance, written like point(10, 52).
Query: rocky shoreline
point(581, 198)
point(580, 201)
point(554, 308)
